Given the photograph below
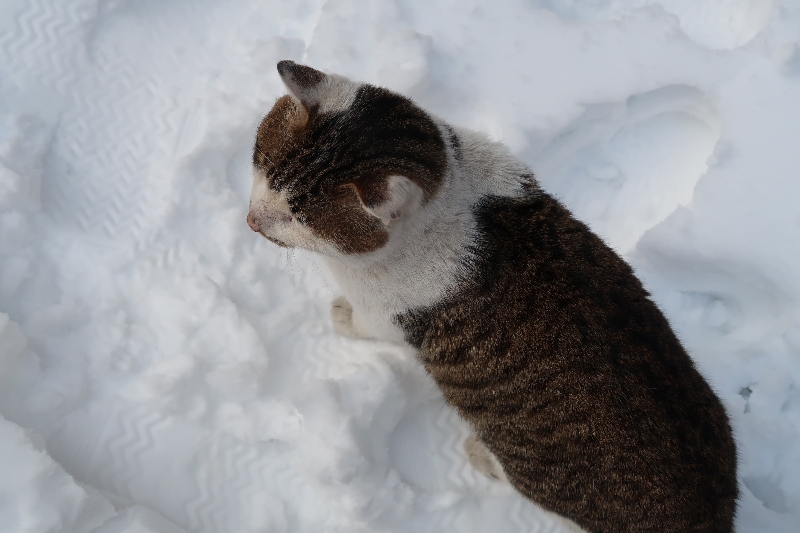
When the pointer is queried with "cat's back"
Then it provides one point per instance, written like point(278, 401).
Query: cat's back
point(552, 349)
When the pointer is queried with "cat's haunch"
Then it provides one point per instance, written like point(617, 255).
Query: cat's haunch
point(537, 333)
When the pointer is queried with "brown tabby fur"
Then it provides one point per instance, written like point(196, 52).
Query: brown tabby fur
point(574, 380)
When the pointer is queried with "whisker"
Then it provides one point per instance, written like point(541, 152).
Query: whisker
point(321, 274)
point(288, 263)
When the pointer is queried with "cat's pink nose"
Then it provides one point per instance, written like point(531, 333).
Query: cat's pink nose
point(251, 221)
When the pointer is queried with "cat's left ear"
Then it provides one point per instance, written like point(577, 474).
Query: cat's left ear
point(302, 81)
point(396, 197)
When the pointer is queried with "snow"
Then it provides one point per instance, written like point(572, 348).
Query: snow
point(164, 370)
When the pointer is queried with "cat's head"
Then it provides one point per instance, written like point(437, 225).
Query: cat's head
point(340, 166)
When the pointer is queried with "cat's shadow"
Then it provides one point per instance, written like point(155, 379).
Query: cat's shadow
point(424, 450)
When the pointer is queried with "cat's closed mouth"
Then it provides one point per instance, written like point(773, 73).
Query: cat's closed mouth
point(255, 226)
point(276, 241)
point(273, 239)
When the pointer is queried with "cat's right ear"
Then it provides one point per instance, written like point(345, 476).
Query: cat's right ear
point(397, 196)
point(304, 83)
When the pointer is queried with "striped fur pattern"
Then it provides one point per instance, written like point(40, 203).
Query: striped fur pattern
point(537, 333)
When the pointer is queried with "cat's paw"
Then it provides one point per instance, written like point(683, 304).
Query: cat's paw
point(482, 459)
point(342, 318)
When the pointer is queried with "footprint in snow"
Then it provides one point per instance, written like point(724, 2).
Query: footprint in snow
point(624, 167)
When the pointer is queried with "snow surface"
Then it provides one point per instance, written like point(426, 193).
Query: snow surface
point(163, 369)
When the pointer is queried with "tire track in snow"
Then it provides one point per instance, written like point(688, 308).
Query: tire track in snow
point(118, 115)
point(126, 449)
point(43, 43)
point(119, 119)
point(202, 480)
point(206, 512)
point(246, 471)
point(199, 509)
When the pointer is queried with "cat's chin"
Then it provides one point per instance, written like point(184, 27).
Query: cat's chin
point(276, 241)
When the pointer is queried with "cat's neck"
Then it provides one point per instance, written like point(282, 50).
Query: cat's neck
point(433, 250)
point(425, 260)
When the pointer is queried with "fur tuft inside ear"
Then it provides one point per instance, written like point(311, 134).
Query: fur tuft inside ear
point(397, 198)
point(302, 81)
point(316, 91)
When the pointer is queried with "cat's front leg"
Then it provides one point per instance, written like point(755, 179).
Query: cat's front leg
point(344, 322)
point(482, 459)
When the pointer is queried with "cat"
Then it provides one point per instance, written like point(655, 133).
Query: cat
point(541, 337)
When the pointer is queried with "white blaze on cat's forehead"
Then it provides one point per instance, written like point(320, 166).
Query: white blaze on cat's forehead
point(315, 89)
point(264, 200)
point(259, 189)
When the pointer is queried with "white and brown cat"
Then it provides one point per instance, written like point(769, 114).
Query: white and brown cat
point(537, 333)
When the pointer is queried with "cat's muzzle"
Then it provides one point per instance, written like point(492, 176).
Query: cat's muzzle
point(271, 220)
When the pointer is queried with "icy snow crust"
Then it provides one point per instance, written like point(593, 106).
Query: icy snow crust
point(163, 369)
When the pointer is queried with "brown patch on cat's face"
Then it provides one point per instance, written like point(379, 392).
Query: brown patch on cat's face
point(319, 164)
point(279, 131)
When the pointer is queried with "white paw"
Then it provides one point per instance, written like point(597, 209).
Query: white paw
point(482, 459)
point(342, 318)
